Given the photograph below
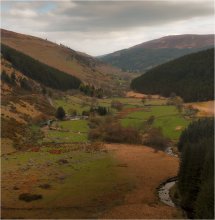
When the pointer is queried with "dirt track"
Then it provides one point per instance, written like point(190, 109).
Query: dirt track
point(147, 168)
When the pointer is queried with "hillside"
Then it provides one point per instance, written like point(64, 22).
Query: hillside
point(152, 53)
point(80, 65)
point(32, 68)
point(190, 77)
point(23, 102)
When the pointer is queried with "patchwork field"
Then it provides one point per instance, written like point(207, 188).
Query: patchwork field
point(82, 103)
point(69, 177)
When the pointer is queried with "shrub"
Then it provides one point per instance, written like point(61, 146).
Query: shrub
point(85, 113)
point(117, 105)
point(110, 130)
point(27, 197)
point(72, 112)
point(99, 110)
point(24, 83)
point(156, 139)
point(5, 77)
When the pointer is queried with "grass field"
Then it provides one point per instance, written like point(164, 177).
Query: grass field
point(82, 103)
point(166, 117)
point(70, 131)
point(87, 180)
point(72, 102)
point(79, 125)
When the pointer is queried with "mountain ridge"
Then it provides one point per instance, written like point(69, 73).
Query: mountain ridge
point(83, 66)
point(146, 55)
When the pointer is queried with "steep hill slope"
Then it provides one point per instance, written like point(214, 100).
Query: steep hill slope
point(82, 66)
point(38, 71)
point(191, 77)
point(23, 102)
point(152, 53)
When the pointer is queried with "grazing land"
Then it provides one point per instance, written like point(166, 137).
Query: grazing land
point(166, 117)
point(67, 131)
point(115, 181)
point(75, 181)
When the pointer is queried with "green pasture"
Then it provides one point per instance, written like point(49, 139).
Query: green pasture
point(71, 131)
point(72, 102)
point(63, 136)
point(166, 117)
point(77, 125)
point(82, 103)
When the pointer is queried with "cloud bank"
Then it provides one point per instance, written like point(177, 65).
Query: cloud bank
point(99, 27)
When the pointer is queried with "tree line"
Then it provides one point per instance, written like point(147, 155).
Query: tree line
point(90, 90)
point(190, 77)
point(196, 174)
point(38, 71)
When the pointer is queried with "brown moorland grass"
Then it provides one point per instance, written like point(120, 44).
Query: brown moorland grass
point(205, 108)
point(147, 168)
point(137, 95)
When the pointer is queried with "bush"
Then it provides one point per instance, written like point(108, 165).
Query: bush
point(156, 139)
point(110, 130)
point(24, 83)
point(117, 105)
point(27, 197)
point(85, 113)
point(99, 110)
point(72, 112)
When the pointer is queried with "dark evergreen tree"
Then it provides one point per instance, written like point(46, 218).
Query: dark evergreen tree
point(60, 113)
point(196, 174)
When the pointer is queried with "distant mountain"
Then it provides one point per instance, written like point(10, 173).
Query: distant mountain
point(82, 66)
point(144, 56)
point(191, 77)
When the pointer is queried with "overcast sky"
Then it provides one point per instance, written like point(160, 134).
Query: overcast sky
point(101, 27)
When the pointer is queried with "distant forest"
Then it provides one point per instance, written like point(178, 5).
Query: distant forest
point(191, 77)
point(38, 71)
point(196, 174)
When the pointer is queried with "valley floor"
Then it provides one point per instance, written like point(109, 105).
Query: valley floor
point(147, 168)
point(118, 181)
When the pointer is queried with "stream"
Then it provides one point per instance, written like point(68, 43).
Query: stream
point(164, 188)
point(163, 192)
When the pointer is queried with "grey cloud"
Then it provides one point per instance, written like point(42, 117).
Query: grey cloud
point(107, 16)
point(101, 27)
point(111, 16)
